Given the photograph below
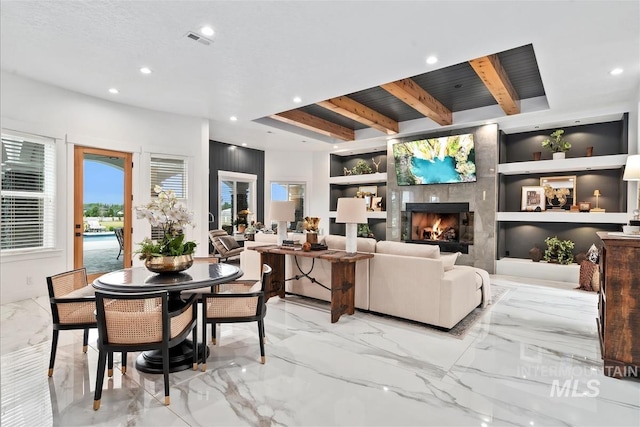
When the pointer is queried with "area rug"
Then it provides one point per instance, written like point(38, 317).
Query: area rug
point(463, 326)
point(458, 331)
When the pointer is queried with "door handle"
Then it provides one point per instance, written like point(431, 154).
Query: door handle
point(78, 234)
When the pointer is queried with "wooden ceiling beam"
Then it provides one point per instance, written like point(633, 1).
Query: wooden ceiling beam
point(315, 124)
point(495, 78)
point(419, 99)
point(352, 109)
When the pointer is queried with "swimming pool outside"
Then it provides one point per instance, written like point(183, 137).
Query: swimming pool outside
point(100, 252)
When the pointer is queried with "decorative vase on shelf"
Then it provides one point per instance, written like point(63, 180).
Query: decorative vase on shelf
point(535, 253)
point(559, 155)
point(536, 155)
point(168, 264)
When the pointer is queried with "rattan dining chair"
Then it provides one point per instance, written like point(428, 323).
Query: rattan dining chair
point(140, 322)
point(234, 303)
point(73, 306)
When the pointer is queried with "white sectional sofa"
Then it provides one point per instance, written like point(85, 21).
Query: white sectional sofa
point(410, 281)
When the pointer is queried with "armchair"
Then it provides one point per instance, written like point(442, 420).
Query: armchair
point(224, 245)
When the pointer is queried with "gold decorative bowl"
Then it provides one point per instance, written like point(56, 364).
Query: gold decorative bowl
point(169, 264)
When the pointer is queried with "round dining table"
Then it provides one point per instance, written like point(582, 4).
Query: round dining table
point(139, 279)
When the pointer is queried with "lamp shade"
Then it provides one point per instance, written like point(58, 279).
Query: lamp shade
point(596, 193)
point(632, 168)
point(283, 211)
point(351, 210)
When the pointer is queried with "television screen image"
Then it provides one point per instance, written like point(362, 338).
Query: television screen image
point(444, 160)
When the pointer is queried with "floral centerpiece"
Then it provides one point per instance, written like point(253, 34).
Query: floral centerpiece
point(171, 253)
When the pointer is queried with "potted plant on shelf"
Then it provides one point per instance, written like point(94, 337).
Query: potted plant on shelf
point(171, 253)
point(557, 144)
point(558, 251)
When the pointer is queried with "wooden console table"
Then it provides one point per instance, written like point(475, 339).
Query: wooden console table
point(343, 274)
point(619, 305)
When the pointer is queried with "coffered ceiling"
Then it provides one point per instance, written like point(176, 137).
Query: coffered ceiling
point(265, 53)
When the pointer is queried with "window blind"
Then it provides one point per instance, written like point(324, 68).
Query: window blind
point(170, 174)
point(28, 193)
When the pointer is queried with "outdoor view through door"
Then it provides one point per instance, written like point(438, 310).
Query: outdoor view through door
point(237, 201)
point(102, 210)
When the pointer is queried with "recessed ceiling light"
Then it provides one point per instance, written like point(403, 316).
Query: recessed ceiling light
point(233, 118)
point(206, 31)
point(297, 100)
point(244, 144)
point(577, 121)
point(114, 90)
point(335, 146)
point(616, 71)
point(432, 60)
point(145, 70)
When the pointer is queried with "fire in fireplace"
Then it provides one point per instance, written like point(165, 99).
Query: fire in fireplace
point(449, 225)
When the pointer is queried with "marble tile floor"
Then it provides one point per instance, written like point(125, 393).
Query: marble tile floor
point(510, 369)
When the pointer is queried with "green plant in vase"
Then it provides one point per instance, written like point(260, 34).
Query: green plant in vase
point(557, 144)
point(361, 168)
point(559, 251)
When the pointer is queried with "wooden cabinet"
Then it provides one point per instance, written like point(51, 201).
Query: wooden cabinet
point(619, 305)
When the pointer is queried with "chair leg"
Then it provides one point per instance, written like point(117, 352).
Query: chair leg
point(260, 338)
point(213, 333)
point(102, 356)
point(54, 348)
point(195, 347)
point(110, 364)
point(123, 363)
point(165, 372)
point(85, 340)
point(204, 343)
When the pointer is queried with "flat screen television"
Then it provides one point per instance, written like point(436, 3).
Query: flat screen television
point(444, 160)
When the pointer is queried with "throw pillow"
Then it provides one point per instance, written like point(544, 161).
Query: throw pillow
point(449, 260)
point(228, 242)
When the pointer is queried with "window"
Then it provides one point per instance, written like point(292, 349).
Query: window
point(237, 200)
point(28, 193)
point(290, 191)
point(170, 173)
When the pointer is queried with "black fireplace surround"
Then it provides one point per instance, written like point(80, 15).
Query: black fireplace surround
point(448, 225)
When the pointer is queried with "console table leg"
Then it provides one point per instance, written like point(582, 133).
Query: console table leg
point(343, 279)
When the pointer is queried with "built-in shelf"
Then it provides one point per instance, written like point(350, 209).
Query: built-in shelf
point(375, 215)
point(572, 217)
point(359, 179)
point(538, 270)
point(564, 165)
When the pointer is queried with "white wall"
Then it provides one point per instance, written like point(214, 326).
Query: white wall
point(300, 166)
point(76, 119)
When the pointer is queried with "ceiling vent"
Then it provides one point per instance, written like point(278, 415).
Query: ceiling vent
point(193, 36)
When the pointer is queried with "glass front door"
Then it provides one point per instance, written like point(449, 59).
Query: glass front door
point(102, 210)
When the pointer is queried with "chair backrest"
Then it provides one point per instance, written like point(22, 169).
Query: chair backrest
point(120, 236)
point(233, 302)
point(67, 282)
point(132, 319)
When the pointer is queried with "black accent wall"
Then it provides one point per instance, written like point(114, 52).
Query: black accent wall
point(231, 158)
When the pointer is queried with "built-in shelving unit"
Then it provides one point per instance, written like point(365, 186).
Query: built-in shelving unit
point(347, 185)
point(519, 231)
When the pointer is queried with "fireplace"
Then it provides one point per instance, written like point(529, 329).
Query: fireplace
point(448, 225)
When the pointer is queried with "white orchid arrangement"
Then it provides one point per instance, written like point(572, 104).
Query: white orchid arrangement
point(166, 212)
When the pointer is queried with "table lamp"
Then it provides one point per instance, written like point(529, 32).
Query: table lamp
point(597, 195)
point(282, 212)
point(351, 211)
point(632, 173)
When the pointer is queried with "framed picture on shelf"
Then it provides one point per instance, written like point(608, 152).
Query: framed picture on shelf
point(376, 204)
point(532, 199)
point(560, 191)
point(367, 193)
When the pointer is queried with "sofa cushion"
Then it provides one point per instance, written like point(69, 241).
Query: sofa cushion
point(228, 242)
point(340, 243)
point(449, 260)
point(267, 238)
point(408, 249)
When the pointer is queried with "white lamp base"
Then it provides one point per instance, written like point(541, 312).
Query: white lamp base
point(282, 232)
point(352, 234)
